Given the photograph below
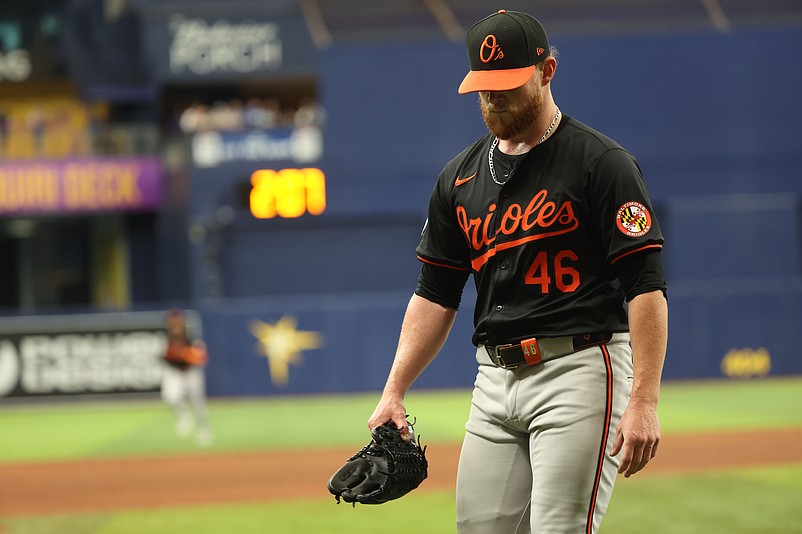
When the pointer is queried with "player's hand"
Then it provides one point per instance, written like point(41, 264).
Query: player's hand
point(636, 437)
point(390, 407)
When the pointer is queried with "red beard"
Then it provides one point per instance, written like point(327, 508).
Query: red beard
point(514, 121)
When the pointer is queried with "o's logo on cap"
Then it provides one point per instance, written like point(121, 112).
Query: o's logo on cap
point(491, 49)
point(633, 219)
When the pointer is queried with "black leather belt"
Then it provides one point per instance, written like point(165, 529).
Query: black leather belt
point(527, 352)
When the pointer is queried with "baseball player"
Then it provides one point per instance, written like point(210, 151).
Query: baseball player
point(553, 220)
point(183, 384)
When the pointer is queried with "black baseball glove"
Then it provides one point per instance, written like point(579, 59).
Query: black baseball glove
point(387, 468)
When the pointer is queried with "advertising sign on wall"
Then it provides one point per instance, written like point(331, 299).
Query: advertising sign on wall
point(302, 145)
point(80, 185)
point(189, 47)
point(83, 354)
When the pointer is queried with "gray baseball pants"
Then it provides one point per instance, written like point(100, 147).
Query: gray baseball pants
point(535, 458)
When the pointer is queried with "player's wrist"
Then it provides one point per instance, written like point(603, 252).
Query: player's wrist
point(644, 401)
point(393, 391)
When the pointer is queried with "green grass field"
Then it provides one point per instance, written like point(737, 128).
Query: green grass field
point(765, 500)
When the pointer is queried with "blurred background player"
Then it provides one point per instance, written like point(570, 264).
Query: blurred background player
point(183, 383)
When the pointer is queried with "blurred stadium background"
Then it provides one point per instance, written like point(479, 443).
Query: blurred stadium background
point(267, 164)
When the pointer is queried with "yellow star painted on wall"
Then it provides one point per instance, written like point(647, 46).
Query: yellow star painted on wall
point(282, 343)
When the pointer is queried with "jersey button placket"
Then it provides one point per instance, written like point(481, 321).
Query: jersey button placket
point(502, 264)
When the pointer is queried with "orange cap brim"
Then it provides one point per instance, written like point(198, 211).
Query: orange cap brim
point(495, 80)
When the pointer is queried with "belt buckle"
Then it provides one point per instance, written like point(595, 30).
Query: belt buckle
point(495, 355)
point(531, 350)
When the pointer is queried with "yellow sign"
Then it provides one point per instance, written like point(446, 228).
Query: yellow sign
point(287, 193)
point(746, 363)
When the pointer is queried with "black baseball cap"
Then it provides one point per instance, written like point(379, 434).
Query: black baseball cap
point(503, 50)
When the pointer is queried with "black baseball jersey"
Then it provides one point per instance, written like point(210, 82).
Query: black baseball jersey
point(543, 246)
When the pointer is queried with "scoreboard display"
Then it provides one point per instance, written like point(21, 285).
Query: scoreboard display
point(287, 193)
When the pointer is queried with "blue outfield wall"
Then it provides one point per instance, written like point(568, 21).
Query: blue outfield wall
point(733, 266)
point(749, 332)
point(716, 332)
point(356, 337)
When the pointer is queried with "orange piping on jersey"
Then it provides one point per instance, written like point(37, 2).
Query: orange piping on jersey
point(424, 260)
point(625, 254)
point(608, 411)
point(477, 262)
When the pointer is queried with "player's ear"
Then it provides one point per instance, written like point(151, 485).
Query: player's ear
point(549, 67)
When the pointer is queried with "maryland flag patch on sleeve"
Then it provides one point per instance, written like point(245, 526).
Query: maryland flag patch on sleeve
point(633, 219)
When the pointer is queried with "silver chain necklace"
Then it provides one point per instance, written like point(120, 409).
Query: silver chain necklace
point(495, 142)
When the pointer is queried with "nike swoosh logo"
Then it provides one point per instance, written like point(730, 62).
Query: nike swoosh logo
point(459, 181)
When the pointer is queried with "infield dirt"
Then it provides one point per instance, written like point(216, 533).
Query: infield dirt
point(206, 479)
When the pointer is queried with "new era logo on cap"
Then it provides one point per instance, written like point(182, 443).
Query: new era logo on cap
point(503, 50)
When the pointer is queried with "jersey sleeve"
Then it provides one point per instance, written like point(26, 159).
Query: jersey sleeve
point(442, 244)
point(621, 211)
point(441, 285)
point(641, 273)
